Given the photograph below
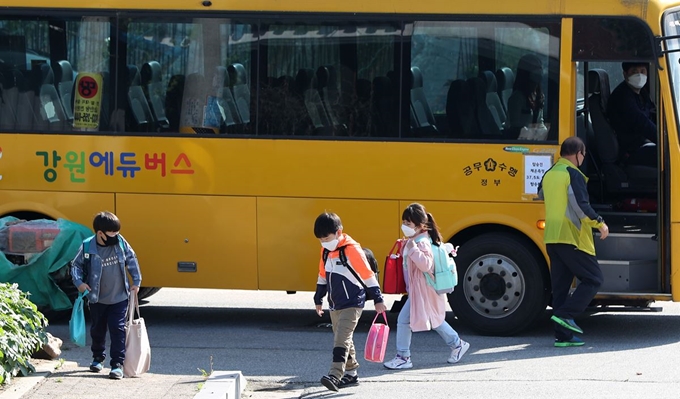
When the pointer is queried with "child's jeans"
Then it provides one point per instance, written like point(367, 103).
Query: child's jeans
point(344, 355)
point(404, 332)
point(113, 317)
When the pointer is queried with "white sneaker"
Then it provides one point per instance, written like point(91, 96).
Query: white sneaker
point(399, 363)
point(458, 352)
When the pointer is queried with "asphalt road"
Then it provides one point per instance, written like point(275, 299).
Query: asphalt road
point(278, 342)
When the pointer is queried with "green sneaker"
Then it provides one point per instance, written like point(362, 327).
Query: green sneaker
point(567, 323)
point(574, 341)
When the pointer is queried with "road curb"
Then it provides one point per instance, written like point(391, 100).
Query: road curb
point(19, 386)
point(222, 384)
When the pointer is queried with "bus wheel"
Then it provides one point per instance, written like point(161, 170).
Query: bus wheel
point(502, 284)
point(145, 292)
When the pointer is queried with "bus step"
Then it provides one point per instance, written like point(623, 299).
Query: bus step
point(614, 308)
point(629, 275)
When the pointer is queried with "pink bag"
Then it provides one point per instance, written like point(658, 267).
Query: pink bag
point(376, 343)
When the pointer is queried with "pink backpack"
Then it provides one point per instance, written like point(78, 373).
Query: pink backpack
point(376, 343)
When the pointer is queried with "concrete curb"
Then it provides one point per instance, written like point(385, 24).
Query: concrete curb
point(222, 384)
point(19, 386)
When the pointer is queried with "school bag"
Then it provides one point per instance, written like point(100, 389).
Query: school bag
point(445, 278)
point(372, 262)
point(376, 341)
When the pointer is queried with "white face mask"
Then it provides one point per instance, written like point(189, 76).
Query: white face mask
point(330, 245)
point(408, 231)
point(638, 80)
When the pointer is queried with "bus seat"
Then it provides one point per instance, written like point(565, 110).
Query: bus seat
point(225, 99)
point(26, 117)
point(460, 109)
point(328, 92)
point(65, 78)
point(173, 101)
point(241, 90)
point(485, 122)
point(506, 79)
point(493, 101)
point(140, 118)
point(384, 110)
point(305, 82)
point(10, 97)
point(617, 177)
point(155, 93)
point(361, 123)
point(64, 75)
point(424, 118)
point(48, 104)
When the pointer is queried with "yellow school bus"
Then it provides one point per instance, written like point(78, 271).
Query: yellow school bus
point(218, 131)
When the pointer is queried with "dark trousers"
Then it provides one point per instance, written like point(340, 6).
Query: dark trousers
point(644, 156)
point(567, 262)
point(113, 317)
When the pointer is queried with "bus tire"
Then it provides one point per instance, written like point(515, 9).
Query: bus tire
point(503, 284)
point(145, 292)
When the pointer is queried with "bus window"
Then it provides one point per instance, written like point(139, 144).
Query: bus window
point(473, 80)
point(329, 80)
point(40, 63)
point(188, 76)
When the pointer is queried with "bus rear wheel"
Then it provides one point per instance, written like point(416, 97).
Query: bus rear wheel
point(503, 284)
point(145, 292)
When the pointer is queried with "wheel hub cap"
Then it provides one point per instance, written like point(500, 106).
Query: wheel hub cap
point(494, 286)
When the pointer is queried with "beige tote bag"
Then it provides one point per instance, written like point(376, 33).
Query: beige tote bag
point(137, 348)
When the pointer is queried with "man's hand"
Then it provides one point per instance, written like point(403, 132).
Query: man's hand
point(604, 231)
point(134, 289)
point(380, 307)
point(319, 310)
point(82, 287)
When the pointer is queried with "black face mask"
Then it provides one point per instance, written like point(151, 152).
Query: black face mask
point(110, 241)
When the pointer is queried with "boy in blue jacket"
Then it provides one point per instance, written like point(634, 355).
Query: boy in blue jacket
point(100, 267)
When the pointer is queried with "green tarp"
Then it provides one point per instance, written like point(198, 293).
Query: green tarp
point(34, 277)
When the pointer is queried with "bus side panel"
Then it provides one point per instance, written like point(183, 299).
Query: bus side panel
point(455, 217)
point(77, 207)
point(288, 251)
point(217, 233)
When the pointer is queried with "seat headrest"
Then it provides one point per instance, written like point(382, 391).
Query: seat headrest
point(322, 77)
point(382, 86)
point(221, 77)
point(304, 80)
point(63, 71)
point(151, 72)
point(46, 74)
point(490, 79)
point(237, 74)
point(598, 83)
point(133, 75)
point(505, 78)
point(416, 77)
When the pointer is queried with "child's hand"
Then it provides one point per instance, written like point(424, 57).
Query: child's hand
point(82, 287)
point(319, 310)
point(380, 307)
point(134, 289)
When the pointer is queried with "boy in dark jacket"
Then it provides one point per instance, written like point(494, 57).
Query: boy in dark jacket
point(346, 295)
point(100, 267)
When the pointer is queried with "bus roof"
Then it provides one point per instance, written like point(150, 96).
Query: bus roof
point(638, 8)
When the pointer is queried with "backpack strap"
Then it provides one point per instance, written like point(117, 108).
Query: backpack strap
point(86, 246)
point(345, 262)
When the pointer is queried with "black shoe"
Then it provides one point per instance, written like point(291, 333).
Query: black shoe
point(331, 382)
point(348, 380)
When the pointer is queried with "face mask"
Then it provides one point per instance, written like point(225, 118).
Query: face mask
point(408, 231)
point(110, 241)
point(330, 245)
point(638, 80)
